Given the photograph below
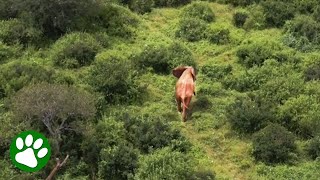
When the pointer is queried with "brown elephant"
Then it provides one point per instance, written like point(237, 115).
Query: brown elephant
point(185, 88)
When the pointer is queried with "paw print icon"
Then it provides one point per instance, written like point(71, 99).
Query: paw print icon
point(30, 151)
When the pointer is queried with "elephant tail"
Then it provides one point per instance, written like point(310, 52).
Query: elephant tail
point(184, 104)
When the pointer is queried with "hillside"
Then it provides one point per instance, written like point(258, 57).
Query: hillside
point(95, 78)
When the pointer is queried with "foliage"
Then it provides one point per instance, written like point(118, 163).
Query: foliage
point(163, 58)
point(218, 35)
point(199, 10)
point(278, 11)
point(118, 162)
point(299, 114)
point(256, 19)
point(191, 29)
point(75, 50)
point(312, 72)
point(171, 3)
point(119, 87)
point(273, 144)
point(141, 6)
point(54, 18)
point(242, 2)
point(249, 114)
point(17, 74)
point(239, 18)
point(117, 20)
point(14, 31)
point(7, 52)
point(216, 71)
point(150, 134)
point(164, 164)
point(53, 107)
point(313, 148)
point(302, 32)
point(254, 53)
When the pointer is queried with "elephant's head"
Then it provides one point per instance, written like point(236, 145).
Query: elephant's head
point(178, 71)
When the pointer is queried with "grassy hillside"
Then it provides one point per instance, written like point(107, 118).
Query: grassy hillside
point(255, 115)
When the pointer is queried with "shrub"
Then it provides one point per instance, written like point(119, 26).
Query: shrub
point(164, 164)
point(54, 18)
point(7, 52)
point(150, 134)
point(170, 3)
point(242, 2)
point(278, 11)
point(255, 53)
point(200, 11)
point(191, 29)
point(316, 13)
point(239, 18)
point(141, 6)
point(118, 162)
point(119, 87)
point(216, 72)
point(299, 115)
point(256, 19)
point(306, 6)
point(75, 50)
point(273, 144)
point(53, 107)
point(15, 31)
point(14, 76)
point(219, 35)
point(312, 72)
point(313, 148)
point(302, 32)
point(248, 114)
point(117, 20)
point(163, 58)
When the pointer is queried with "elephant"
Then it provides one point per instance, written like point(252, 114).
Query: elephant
point(185, 88)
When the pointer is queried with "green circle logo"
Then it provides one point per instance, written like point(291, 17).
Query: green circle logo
point(30, 151)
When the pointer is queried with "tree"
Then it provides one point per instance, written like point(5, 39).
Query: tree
point(56, 106)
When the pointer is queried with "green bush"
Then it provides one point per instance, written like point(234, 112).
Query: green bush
point(14, 76)
point(15, 31)
point(119, 87)
point(7, 52)
point(218, 35)
point(149, 134)
point(312, 72)
point(117, 20)
point(118, 162)
point(313, 148)
point(191, 29)
point(199, 10)
point(254, 53)
point(75, 50)
point(277, 12)
point(249, 114)
point(306, 6)
point(163, 58)
point(54, 18)
point(242, 2)
point(302, 33)
point(273, 144)
point(170, 3)
point(141, 6)
point(164, 164)
point(299, 115)
point(239, 18)
point(216, 71)
point(256, 19)
point(316, 13)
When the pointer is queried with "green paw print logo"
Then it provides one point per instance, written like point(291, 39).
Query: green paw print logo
point(30, 151)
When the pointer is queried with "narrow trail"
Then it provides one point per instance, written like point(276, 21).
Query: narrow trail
point(223, 162)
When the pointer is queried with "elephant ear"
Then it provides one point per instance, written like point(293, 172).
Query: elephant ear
point(177, 72)
point(193, 73)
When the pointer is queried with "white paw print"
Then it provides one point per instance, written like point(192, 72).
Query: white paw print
point(27, 157)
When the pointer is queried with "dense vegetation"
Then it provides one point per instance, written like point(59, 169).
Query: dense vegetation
point(95, 78)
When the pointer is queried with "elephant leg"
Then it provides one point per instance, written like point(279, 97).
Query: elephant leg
point(185, 106)
point(178, 100)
